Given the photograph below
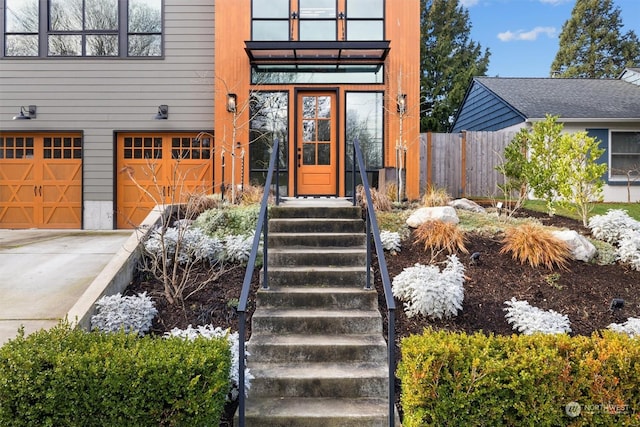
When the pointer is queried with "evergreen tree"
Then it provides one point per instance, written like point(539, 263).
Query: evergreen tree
point(449, 60)
point(592, 45)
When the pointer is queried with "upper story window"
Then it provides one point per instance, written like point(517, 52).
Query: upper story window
point(83, 28)
point(305, 20)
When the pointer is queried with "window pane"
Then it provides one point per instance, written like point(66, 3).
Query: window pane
point(145, 16)
point(365, 30)
point(308, 130)
point(21, 16)
point(65, 15)
point(330, 76)
point(317, 30)
point(18, 45)
point(625, 154)
point(309, 154)
point(269, 120)
point(271, 9)
point(145, 45)
point(364, 122)
point(102, 45)
point(101, 14)
point(270, 30)
point(324, 106)
point(324, 154)
point(365, 8)
point(317, 9)
point(324, 130)
point(60, 45)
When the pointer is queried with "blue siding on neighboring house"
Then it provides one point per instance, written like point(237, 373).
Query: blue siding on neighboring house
point(482, 110)
point(603, 136)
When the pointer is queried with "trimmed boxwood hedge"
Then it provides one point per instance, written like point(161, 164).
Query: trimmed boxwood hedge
point(455, 379)
point(70, 377)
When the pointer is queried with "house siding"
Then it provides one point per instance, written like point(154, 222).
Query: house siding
point(98, 96)
point(482, 110)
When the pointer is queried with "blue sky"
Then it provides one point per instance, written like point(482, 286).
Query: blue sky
point(523, 35)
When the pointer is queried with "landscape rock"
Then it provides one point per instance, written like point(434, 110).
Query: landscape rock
point(467, 205)
point(581, 248)
point(441, 213)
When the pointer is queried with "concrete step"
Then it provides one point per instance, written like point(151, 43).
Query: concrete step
point(316, 225)
point(318, 276)
point(325, 412)
point(309, 297)
point(316, 240)
point(298, 348)
point(300, 211)
point(287, 257)
point(362, 379)
point(315, 321)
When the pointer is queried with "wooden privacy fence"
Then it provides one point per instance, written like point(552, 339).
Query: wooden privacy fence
point(463, 163)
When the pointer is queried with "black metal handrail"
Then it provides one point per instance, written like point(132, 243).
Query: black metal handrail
point(274, 165)
point(372, 229)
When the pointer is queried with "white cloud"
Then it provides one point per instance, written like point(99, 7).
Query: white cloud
point(469, 3)
point(509, 36)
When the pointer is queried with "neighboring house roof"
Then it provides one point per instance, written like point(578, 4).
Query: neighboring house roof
point(493, 103)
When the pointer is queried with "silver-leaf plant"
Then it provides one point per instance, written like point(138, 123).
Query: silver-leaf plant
point(427, 291)
point(390, 241)
point(530, 320)
point(132, 314)
point(631, 327)
point(613, 225)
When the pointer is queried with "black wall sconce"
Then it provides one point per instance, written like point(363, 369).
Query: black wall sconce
point(26, 113)
point(402, 103)
point(232, 99)
point(163, 112)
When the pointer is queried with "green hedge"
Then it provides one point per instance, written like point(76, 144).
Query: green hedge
point(455, 379)
point(69, 377)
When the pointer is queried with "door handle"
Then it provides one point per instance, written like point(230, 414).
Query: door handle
point(40, 188)
point(35, 190)
point(299, 158)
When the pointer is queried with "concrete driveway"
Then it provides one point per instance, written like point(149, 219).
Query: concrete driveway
point(44, 272)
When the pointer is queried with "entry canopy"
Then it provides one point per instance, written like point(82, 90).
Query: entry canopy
point(321, 55)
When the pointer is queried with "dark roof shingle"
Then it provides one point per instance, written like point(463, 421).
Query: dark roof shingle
point(567, 98)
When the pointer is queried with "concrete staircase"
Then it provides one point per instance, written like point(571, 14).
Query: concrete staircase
point(316, 348)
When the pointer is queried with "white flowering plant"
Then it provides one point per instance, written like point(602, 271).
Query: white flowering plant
point(631, 327)
point(530, 320)
point(390, 241)
point(131, 313)
point(210, 332)
point(426, 290)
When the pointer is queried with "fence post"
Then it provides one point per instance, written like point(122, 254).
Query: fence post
point(463, 158)
point(429, 162)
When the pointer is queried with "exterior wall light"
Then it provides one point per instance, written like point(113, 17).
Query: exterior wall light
point(26, 113)
point(402, 103)
point(163, 112)
point(232, 99)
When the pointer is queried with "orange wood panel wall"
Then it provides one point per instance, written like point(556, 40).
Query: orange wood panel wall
point(402, 68)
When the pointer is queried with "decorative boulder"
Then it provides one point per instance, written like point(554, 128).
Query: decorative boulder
point(467, 205)
point(581, 248)
point(442, 213)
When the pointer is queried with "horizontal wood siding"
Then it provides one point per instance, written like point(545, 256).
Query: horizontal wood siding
point(100, 96)
point(484, 111)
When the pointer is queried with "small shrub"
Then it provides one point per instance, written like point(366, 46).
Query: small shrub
point(381, 202)
point(228, 221)
point(394, 221)
point(531, 243)
point(183, 246)
point(211, 332)
point(427, 291)
point(390, 241)
point(441, 236)
point(530, 320)
point(70, 377)
point(391, 190)
point(606, 252)
point(629, 249)
point(435, 197)
point(199, 202)
point(612, 226)
point(237, 249)
point(132, 314)
point(251, 195)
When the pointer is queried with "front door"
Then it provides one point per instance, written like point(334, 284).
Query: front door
point(316, 144)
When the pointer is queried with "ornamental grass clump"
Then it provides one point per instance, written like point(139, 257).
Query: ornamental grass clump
point(435, 197)
point(438, 236)
point(531, 243)
point(530, 320)
point(427, 291)
point(379, 199)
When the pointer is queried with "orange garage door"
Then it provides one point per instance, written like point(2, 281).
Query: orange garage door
point(156, 169)
point(40, 181)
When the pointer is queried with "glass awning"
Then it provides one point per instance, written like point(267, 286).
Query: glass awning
point(316, 54)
